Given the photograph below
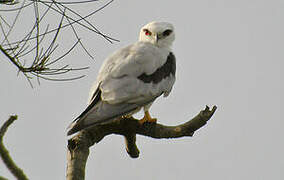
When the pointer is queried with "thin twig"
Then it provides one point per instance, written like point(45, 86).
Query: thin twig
point(42, 65)
point(15, 9)
point(14, 22)
point(8, 2)
point(9, 57)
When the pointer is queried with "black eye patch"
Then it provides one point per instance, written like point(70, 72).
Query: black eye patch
point(167, 32)
point(147, 32)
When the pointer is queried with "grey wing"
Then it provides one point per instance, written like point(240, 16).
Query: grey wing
point(99, 111)
point(136, 73)
point(128, 80)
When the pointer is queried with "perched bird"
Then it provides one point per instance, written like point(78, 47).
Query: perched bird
point(132, 78)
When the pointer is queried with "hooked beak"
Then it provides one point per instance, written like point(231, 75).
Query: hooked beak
point(157, 38)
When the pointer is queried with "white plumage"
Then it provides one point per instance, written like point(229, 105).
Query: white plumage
point(131, 78)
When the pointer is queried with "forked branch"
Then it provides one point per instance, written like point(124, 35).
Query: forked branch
point(78, 146)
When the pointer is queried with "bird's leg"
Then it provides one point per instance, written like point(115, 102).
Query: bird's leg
point(147, 118)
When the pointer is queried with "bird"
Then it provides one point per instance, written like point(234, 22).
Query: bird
point(132, 78)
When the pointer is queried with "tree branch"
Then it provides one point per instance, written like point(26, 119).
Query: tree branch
point(4, 153)
point(78, 146)
point(8, 2)
point(2, 178)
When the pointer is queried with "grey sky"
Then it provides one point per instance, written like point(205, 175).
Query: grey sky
point(229, 53)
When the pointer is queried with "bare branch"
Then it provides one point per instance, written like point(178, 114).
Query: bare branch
point(78, 146)
point(2, 178)
point(4, 153)
point(33, 53)
point(8, 2)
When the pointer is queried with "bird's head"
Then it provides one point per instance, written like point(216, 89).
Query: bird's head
point(160, 34)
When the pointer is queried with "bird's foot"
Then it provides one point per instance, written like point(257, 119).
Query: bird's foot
point(147, 118)
point(126, 116)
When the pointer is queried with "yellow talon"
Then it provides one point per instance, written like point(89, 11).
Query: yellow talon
point(147, 118)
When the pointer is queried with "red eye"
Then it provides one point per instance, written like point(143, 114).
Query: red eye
point(147, 32)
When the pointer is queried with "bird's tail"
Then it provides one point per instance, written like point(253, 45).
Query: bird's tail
point(102, 112)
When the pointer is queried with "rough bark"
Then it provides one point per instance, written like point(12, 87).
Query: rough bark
point(78, 145)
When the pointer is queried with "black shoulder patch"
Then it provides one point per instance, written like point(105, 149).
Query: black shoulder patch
point(164, 71)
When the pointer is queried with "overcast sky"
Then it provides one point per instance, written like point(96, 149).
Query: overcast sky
point(229, 53)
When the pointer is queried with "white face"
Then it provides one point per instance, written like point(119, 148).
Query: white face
point(160, 34)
